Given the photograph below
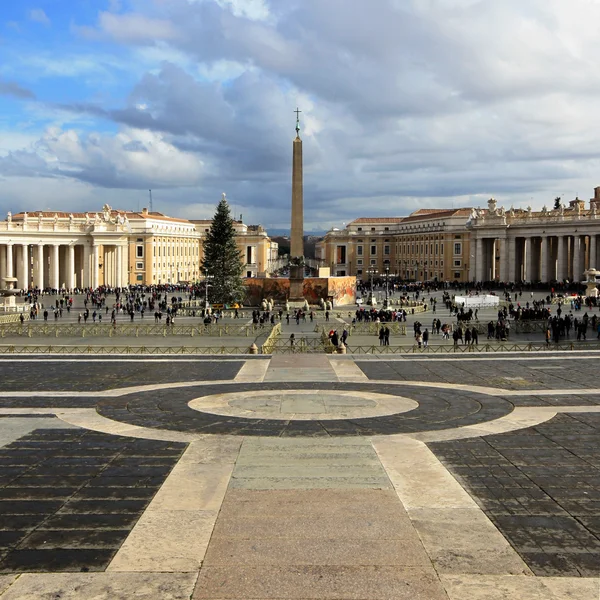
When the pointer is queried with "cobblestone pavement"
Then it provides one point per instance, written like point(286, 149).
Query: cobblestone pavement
point(300, 476)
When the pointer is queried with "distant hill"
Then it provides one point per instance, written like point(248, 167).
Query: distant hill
point(284, 244)
point(286, 232)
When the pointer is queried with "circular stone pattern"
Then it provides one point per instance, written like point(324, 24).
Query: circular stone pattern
point(303, 405)
point(437, 409)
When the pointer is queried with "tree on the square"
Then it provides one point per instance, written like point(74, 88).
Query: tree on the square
point(222, 260)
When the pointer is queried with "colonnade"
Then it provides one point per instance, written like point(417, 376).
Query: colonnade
point(63, 265)
point(535, 258)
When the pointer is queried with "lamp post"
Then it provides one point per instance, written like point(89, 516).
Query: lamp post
point(207, 285)
point(371, 271)
point(387, 279)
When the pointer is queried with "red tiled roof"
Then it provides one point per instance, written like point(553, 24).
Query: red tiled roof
point(440, 213)
point(377, 220)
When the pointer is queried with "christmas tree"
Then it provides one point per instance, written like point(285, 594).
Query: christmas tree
point(222, 261)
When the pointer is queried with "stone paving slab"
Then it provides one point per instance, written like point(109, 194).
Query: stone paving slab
point(319, 583)
point(101, 586)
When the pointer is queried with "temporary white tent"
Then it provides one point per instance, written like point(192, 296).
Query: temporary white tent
point(477, 301)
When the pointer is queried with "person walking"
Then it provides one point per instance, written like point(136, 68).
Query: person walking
point(426, 338)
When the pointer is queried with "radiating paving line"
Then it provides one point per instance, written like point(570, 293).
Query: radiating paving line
point(347, 369)
point(456, 533)
point(252, 371)
point(173, 533)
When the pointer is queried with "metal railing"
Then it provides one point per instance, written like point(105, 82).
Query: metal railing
point(272, 340)
point(373, 328)
point(530, 326)
point(36, 329)
point(301, 346)
point(13, 317)
point(100, 349)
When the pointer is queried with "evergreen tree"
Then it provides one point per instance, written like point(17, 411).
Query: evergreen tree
point(222, 259)
point(557, 202)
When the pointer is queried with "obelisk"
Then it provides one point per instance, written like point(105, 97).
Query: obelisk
point(297, 231)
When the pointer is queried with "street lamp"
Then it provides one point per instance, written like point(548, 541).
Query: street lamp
point(207, 285)
point(387, 279)
point(371, 271)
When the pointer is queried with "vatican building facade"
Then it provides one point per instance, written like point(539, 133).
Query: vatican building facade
point(114, 248)
point(470, 244)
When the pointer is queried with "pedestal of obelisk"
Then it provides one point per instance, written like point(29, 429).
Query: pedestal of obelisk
point(297, 230)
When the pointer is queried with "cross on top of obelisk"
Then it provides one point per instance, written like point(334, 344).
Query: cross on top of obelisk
point(297, 111)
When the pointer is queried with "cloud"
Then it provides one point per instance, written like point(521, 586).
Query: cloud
point(39, 16)
point(406, 103)
point(11, 88)
point(130, 159)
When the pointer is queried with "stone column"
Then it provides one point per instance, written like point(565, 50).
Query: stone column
point(593, 252)
point(54, 267)
point(560, 259)
point(527, 262)
point(39, 267)
point(511, 251)
point(2, 265)
point(71, 266)
point(577, 262)
point(95, 260)
point(24, 270)
point(479, 266)
point(9, 263)
point(119, 266)
point(87, 277)
point(544, 259)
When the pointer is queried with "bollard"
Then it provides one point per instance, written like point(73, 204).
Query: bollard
point(253, 349)
point(341, 349)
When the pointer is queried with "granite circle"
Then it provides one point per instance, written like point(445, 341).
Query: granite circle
point(437, 409)
point(303, 405)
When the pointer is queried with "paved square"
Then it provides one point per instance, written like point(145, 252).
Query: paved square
point(300, 477)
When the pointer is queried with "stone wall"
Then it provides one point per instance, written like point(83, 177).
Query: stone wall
point(341, 289)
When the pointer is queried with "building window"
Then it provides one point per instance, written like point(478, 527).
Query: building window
point(456, 275)
point(436, 248)
point(457, 237)
point(139, 278)
point(442, 249)
point(457, 263)
point(139, 251)
point(386, 250)
point(373, 249)
point(372, 228)
point(359, 272)
point(139, 265)
point(386, 228)
point(341, 255)
point(140, 239)
point(373, 261)
point(359, 229)
point(359, 261)
point(457, 248)
point(248, 273)
point(359, 250)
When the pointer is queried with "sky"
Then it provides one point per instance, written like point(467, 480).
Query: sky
point(405, 104)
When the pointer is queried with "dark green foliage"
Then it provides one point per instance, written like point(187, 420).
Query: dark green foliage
point(557, 202)
point(222, 259)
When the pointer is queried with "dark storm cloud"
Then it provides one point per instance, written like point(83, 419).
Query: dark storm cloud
point(11, 88)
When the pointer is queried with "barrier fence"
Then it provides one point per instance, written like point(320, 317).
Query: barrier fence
point(128, 330)
point(301, 346)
